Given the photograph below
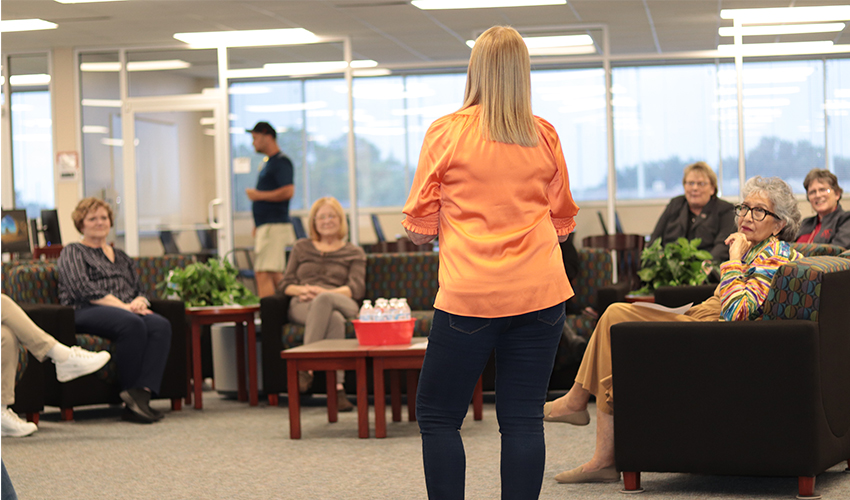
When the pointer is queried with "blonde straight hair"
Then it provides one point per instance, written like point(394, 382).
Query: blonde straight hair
point(340, 213)
point(499, 81)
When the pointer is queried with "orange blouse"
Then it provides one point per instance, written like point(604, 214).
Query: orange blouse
point(498, 209)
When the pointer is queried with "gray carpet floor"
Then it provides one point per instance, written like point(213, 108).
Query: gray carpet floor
point(231, 451)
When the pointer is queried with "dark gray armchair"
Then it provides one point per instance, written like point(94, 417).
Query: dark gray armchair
point(759, 398)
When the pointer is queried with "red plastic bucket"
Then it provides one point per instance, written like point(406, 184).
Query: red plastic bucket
point(384, 332)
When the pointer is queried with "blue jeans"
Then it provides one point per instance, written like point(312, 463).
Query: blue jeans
point(140, 343)
point(458, 349)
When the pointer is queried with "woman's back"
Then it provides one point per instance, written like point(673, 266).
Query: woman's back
point(500, 251)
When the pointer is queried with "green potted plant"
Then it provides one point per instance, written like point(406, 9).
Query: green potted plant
point(678, 263)
point(210, 283)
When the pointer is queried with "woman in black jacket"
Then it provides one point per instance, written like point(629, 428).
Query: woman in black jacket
point(699, 213)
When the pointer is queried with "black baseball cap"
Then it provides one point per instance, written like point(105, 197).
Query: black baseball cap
point(264, 128)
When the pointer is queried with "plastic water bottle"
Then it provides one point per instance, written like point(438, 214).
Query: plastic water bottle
point(393, 313)
point(404, 308)
point(381, 306)
point(367, 312)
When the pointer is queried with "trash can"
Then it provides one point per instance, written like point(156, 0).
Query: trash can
point(224, 358)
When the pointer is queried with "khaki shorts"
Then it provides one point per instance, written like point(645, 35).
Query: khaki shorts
point(270, 247)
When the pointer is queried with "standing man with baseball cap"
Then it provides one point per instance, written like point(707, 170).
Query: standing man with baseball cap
point(271, 209)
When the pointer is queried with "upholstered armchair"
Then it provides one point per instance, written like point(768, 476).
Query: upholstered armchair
point(34, 286)
point(769, 397)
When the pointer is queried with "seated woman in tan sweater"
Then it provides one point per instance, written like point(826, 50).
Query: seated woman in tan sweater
point(326, 278)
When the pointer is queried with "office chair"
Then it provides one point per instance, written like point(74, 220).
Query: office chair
point(379, 231)
point(298, 227)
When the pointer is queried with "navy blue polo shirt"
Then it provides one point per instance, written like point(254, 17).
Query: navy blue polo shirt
point(276, 173)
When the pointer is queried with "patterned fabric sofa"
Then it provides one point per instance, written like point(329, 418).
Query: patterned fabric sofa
point(34, 286)
point(414, 276)
point(769, 397)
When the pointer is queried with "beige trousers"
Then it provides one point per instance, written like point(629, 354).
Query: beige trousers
point(323, 318)
point(594, 374)
point(18, 329)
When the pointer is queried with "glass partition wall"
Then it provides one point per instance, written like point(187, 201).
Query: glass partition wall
point(28, 125)
point(664, 117)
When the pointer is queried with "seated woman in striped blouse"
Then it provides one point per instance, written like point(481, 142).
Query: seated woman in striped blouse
point(101, 283)
point(768, 215)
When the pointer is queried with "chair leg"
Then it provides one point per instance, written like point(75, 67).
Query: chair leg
point(273, 400)
point(806, 488)
point(176, 404)
point(631, 483)
point(66, 414)
point(33, 417)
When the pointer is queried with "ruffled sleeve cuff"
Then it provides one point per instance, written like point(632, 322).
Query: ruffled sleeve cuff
point(564, 226)
point(429, 224)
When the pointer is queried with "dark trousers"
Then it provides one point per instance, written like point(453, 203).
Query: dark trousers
point(458, 349)
point(141, 342)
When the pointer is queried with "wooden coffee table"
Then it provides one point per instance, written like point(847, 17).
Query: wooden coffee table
point(404, 357)
point(198, 316)
point(329, 355)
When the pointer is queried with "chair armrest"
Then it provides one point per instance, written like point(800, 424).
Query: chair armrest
point(54, 319)
point(734, 386)
point(175, 373)
point(610, 294)
point(274, 313)
point(676, 296)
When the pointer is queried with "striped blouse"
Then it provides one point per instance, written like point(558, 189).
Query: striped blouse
point(86, 274)
point(744, 284)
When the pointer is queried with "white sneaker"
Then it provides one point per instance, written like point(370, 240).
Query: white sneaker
point(15, 427)
point(79, 363)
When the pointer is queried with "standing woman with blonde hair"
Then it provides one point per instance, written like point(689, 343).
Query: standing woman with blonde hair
point(493, 185)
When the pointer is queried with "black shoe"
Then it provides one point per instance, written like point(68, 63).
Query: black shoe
point(129, 415)
point(137, 401)
point(156, 413)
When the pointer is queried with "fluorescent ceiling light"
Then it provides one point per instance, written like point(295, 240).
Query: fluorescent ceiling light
point(480, 4)
point(26, 25)
point(102, 103)
point(282, 108)
point(247, 38)
point(555, 45)
point(29, 80)
point(781, 49)
point(371, 72)
point(783, 29)
point(299, 69)
point(95, 129)
point(539, 42)
point(135, 66)
point(788, 14)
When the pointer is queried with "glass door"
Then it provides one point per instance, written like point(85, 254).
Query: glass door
point(175, 175)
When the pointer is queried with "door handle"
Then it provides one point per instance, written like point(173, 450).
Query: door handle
point(211, 219)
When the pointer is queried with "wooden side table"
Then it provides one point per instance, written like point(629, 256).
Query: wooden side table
point(407, 357)
point(199, 316)
point(328, 355)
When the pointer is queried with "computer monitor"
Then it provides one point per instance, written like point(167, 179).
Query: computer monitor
point(14, 231)
point(50, 227)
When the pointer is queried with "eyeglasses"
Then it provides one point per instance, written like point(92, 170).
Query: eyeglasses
point(818, 191)
point(326, 217)
point(758, 213)
point(701, 184)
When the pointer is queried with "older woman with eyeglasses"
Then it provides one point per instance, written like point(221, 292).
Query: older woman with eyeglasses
point(830, 224)
point(698, 213)
point(326, 278)
point(767, 217)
